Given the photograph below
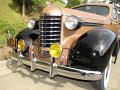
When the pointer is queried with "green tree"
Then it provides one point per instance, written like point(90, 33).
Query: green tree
point(118, 1)
point(23, 6)
point(28, 6)
point(83, 1)
point(115, 1)
point(31, 6)
point(52, 1)
point(72, 3)
point(38, 5)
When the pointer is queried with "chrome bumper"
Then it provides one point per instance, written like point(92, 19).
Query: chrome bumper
point(62, 70)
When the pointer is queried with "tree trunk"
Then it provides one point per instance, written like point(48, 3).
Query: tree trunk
point(23, 9)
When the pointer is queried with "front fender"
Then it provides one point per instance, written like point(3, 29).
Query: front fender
point(93, 50)
point(28, 35)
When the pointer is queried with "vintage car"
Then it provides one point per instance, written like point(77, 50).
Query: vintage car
point(77, 42)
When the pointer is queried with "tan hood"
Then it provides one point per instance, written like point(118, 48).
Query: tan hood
point(85, 16)
point(52, 10)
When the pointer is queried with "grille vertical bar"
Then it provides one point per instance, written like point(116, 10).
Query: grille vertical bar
point(50, 27)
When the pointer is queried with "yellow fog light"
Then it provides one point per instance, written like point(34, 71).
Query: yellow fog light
point(55, 50)
point(21, 44)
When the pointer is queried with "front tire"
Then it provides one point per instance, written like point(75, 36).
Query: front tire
point(103, 82)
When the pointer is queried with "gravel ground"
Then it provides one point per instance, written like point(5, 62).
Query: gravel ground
point(13, 78)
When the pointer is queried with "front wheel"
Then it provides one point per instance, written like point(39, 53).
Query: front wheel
point(103, 82)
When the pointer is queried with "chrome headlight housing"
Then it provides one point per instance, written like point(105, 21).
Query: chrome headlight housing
point(31, 23)
point(71, 22)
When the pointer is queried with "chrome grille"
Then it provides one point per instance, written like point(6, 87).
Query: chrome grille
point(50, 27)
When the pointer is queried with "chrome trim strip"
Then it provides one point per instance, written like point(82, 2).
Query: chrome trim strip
point(50, 31)
point(54, 19)
point(83, 71)
point(90, 24)
point(50, 27)
point(51, 35)
point(48, 43)
point(50, 23)
point(51, 39)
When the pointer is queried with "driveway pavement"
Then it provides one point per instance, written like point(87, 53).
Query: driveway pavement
point(13, 78)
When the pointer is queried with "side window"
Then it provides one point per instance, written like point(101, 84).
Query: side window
point(114, 14)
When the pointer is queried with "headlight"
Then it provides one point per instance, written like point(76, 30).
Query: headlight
point(31, 23)
point(55, 50)
point(71, 22)
point(21, 45)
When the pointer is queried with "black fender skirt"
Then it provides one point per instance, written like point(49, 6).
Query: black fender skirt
point(92, 51)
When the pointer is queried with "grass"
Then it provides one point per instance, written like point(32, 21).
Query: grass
point(59, 4)
point(8, 14)
point(2, 40)
point(11, 17)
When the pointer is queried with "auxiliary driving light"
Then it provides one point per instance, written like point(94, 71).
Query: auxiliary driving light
point(21, 44)
point(55, 50)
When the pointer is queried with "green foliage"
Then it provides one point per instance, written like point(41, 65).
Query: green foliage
point(38, 5)
point(17, 4)
point(10, 20)
point(5, 27)
point(41, 2)
point(53, 1)
point(30, 5)
point(114, 1)
point(72, 3)
point(118, 1)
point(59, 4)
point(34, 6)
point(84, 1)
point(3, 40)
point(8, 13)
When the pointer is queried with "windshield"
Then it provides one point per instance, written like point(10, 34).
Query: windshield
point(100, 10)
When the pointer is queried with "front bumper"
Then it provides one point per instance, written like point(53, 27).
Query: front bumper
point(60, 69)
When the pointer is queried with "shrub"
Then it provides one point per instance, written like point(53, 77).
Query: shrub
point(5, 27)
point(72, 3)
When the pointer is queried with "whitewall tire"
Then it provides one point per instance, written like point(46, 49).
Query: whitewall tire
point(103, 82)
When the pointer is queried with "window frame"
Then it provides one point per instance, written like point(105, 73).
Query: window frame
point(93, 5)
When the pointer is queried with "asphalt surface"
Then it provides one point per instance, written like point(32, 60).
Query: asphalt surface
point(21, 78)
